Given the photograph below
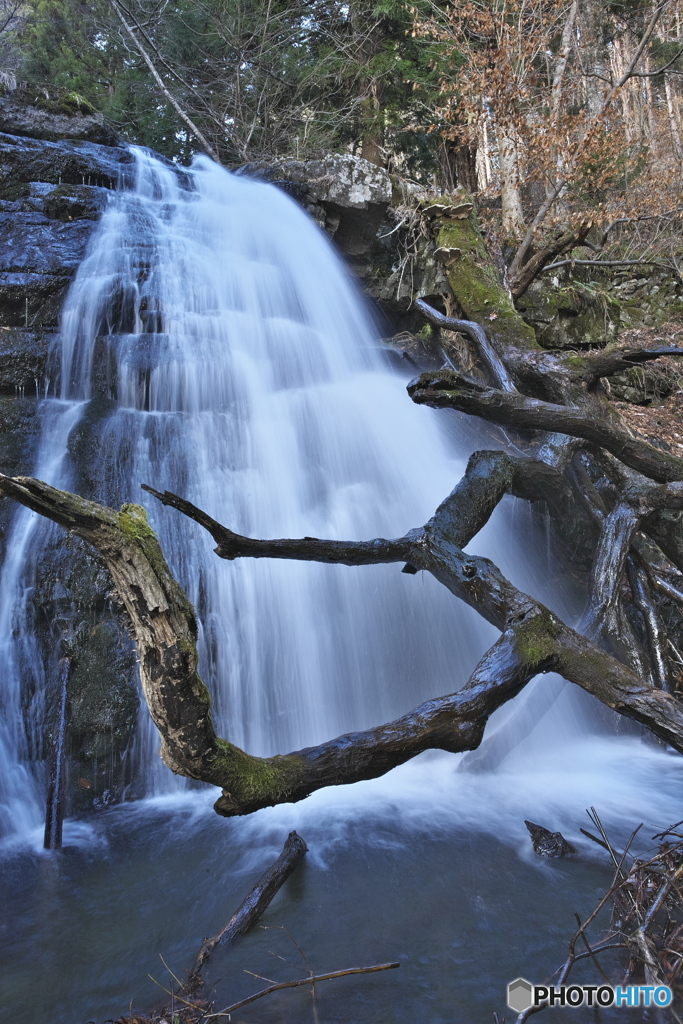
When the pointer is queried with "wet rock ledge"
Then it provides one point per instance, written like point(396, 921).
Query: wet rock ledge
point(57, 170)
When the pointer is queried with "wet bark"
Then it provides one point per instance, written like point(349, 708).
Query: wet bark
point(533, 640)
point(253, 906)
point(446, 389)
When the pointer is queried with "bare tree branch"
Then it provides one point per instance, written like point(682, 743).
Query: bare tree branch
point(446, 389)
point(518, 261)
point(162, 85)
point(533, 640)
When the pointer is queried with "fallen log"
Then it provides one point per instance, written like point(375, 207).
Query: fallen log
point(252, 908)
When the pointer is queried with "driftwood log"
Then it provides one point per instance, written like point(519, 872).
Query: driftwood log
point(252, 908)
point(624, 494)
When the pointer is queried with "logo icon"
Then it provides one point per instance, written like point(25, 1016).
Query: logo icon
point(520, 995)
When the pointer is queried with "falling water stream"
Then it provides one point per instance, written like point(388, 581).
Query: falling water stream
point(231, 360)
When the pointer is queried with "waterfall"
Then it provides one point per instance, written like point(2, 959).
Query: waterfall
point(214, 345)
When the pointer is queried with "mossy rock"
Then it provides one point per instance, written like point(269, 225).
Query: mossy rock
point(476, 285)
point(576, 315)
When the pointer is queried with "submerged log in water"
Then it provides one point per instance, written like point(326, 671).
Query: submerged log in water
point(250, 911)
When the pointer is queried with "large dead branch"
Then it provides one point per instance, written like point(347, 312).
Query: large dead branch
point(487, 353)
point(594, 365)
point(616, 537)
point(533, 640)
point(446, 389)
point(253, 906)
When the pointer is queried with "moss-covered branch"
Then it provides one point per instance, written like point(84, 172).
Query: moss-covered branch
point(533, 641)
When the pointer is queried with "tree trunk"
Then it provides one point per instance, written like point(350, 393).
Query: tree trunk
point(594, 57)
point(673, 118)
point(510, 191)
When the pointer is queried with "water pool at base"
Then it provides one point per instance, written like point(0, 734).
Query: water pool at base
point(430, 866)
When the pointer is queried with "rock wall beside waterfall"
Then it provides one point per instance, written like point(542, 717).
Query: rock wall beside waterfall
point(51, 192)
point(56, 171)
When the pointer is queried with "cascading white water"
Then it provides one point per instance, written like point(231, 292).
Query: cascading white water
point(213, 344)
point(246, 377)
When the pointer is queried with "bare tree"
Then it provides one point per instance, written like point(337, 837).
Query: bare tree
point(583, 123)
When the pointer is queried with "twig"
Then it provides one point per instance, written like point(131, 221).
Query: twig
point(606, 263)
point(591, 951)
point(169, 993)
point(281, 928)
point(304, 981)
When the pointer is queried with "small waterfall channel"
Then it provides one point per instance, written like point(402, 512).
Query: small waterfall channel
point(217, 343)
point(221, 351)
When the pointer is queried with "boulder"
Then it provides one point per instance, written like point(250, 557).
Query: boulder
point(347, 195)
point(55, 121)
point(547, 843)
point(574, 314)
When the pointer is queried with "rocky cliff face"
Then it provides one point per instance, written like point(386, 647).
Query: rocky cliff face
point(51, 194)
point(56, 174)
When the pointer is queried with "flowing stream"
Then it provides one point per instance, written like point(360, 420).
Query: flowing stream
point(230, 359)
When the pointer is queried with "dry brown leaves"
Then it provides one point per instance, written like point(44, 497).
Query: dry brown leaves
point(661, 421)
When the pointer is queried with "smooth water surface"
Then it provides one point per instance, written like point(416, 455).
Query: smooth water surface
point(430, 866)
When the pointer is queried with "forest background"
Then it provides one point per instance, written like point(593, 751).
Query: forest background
point(552, 113)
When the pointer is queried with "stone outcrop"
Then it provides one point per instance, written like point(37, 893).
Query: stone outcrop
point(573, 313)
point(579, 309)
point(346, 195)
point(51, 194)
point(56, 173)
point(54, 121)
